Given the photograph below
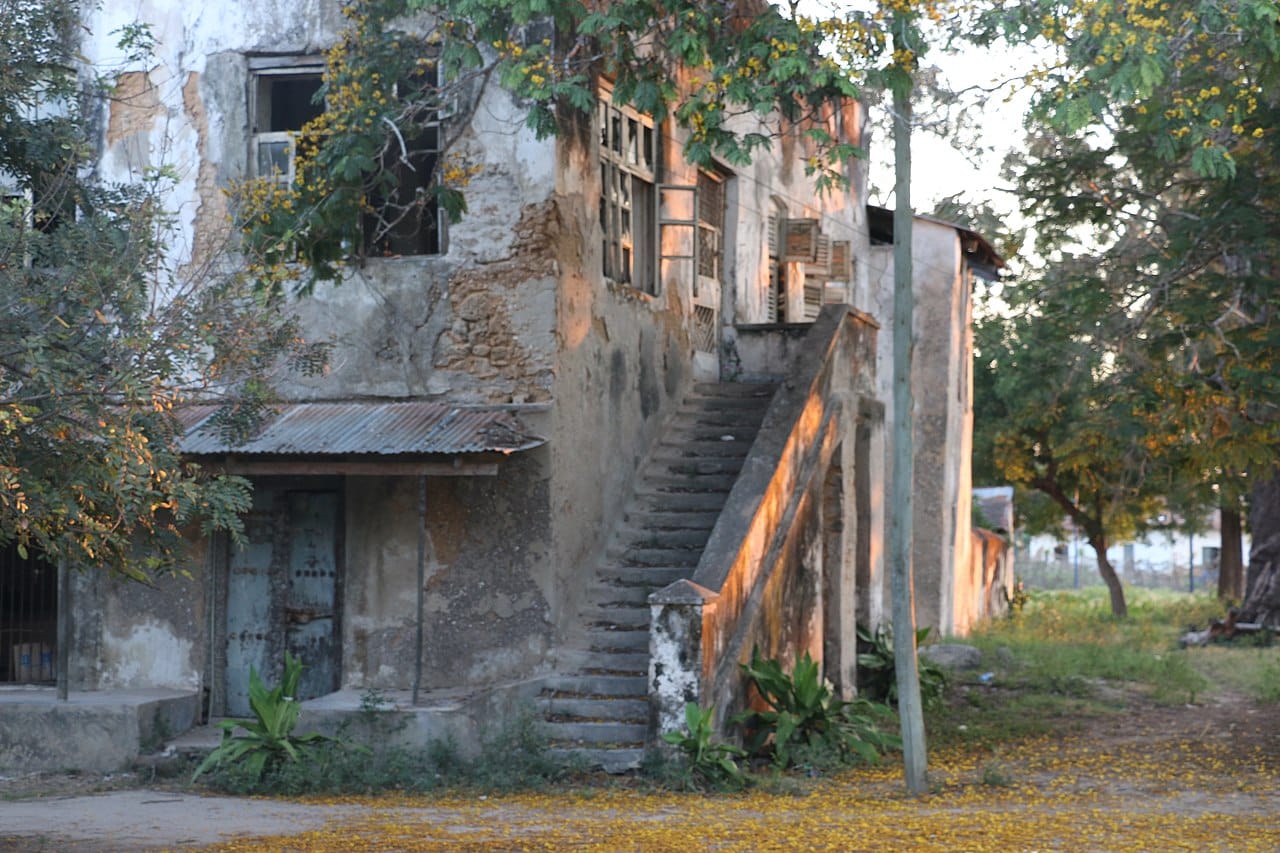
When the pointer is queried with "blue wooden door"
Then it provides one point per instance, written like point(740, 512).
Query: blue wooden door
point(282, 593)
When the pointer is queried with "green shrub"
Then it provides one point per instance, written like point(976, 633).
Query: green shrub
point(878, 675)
point(805, 724)
point(268, 740)
point(708, 763)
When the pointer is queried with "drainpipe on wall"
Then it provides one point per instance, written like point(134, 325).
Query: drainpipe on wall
point(422, 579)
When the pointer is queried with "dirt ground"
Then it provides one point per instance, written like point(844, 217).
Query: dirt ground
point(1204, 777)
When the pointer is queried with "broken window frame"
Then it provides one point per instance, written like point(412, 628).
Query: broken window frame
point(628, 148)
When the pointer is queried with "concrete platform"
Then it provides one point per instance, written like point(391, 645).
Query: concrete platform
point(98, 731)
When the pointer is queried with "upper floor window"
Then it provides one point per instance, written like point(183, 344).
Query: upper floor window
point(711, 210)
point(628, 198)
point(283, 97)
point(404, 216)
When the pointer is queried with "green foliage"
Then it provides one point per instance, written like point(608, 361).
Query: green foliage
point(105, 339)
point(708, 763)
point(877, 672)
point(268, 740)
point(804, 723)
point(367, 759)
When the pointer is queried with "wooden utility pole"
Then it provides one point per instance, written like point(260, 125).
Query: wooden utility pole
point(910, 709)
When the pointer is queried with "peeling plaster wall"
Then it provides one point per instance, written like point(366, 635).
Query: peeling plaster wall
point(486, 612)
point(128, 635)
point(186, 110)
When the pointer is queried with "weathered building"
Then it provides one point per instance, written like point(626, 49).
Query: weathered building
point(619, 374)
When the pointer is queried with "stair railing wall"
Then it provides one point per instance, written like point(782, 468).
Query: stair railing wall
point(759, 581)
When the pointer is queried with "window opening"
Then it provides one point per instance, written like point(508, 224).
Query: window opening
point(407, 219)
point(284, 100)
point(628, 170)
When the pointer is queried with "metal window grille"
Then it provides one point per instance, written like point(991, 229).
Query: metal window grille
point(28, 619)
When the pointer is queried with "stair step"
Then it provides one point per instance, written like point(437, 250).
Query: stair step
point(713, 446)
point(569, 734)
point(597, 685)
point(739, 437)
point(677, 464)
point(667, 481)
point(735, 389)
point(660, 538)
point(645, 519)
point(680, 501)
point(642, 576)
point(672, 557)
point(610, 596)
point(578, 709)
point(632, 641)
point(617, 760)
point(618, 618)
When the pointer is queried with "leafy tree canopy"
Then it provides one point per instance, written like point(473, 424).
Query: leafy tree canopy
point(104, 341)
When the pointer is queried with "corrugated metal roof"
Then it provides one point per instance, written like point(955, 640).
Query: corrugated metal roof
point(366, 427)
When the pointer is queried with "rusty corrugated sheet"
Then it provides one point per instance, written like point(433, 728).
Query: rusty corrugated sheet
point(365, 427)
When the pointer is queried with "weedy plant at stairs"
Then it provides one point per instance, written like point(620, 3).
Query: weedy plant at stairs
point(267, 740)
point(805, 723)
point(709, 764)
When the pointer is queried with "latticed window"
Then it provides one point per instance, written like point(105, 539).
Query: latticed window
point(711, 226)
point(628, 175)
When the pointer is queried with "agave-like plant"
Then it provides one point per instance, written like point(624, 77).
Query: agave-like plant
point(805, 722)
point(268, 739)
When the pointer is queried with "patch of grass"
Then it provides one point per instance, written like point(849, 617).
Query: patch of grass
point(1062, 642)
point(1242, 667)
point(1064, 659)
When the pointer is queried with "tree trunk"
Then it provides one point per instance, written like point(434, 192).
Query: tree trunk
point(1119, 608)
point(1264, 517)
point(1262, 584)
point(1231, 556)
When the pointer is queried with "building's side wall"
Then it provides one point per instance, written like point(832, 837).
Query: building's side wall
point(941, 381)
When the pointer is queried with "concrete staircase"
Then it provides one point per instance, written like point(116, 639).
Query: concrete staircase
point(599, 712)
